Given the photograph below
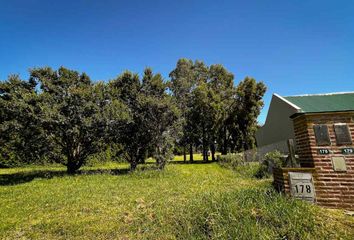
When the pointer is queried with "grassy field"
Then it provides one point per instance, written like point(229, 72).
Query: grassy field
point(184, 201)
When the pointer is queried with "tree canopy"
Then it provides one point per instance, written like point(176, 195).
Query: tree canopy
point(217, 115)
point(63, 116)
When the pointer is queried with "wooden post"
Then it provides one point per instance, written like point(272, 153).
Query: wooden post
point(291, 147)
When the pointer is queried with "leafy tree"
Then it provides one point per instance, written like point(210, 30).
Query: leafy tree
point(244, 113)
point(203, 115)
point(126, 88)
point(215, 113)
point(221, 82)
point(182, 82)
point(21, 137)
point(184, 79)
point(151, 129)
point(76, 114)
point(162, 116)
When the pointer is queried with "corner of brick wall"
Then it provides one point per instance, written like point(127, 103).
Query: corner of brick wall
point(279, 180)
point(333, 189)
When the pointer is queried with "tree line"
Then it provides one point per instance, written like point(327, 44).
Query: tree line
point(63, 116)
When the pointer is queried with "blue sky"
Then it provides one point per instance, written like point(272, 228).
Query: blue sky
point(295, 47)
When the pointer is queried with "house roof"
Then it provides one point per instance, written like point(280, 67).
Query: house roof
point(331, 102)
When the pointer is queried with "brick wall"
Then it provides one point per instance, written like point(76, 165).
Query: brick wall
point(333, 189)
point(303, 142)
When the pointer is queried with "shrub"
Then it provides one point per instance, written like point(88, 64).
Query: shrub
point(231, 160)
point(8, 160)
point(275, 158)
point(237, 162)
point(111, 154)
point(248, 170)
point(271, 160)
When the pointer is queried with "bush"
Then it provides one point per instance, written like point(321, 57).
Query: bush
point(178, 150)
point(231, 160)
point(271, 160)
point(237, 163)
point(248, 170)
point(8, 160)
point(111, 154)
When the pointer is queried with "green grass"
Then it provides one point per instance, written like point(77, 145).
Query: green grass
point(184, 201)
point(196, 157)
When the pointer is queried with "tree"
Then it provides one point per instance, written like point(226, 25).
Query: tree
point(203, 115)
point(182, 82)
point(162, 116)
point(221, 82)
point(184, 79)
point(76, 114)
point(215, 113)
point(244, 113)
point(21, 136)
point(151, 130)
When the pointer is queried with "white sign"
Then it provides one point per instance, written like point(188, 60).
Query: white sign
point(301, 186)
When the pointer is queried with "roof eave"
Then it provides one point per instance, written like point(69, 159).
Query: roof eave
point(288, 102)
point(313, 113)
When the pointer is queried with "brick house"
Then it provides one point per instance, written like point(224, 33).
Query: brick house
point(324, 131)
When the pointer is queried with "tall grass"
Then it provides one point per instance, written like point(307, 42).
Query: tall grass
point(254, 214)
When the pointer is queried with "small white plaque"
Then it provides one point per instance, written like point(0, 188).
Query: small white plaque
point(301, 186)
point(339, 164)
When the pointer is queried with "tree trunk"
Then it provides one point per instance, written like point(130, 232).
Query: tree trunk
point(212, 152)
point(160, 162)
point(205, 148)
point(205, 153)
point(224, 148)
point(133, 165)
point(184, 154)
point(75, 158)
point(72, 166)
point(191, 152)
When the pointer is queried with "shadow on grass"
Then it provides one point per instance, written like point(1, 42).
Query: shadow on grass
point(24, 177)
point(28, 176)
point(189, 162)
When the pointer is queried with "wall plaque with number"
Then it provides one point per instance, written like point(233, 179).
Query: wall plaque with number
point(323, 151)
point(301, 186)
point(348, 150)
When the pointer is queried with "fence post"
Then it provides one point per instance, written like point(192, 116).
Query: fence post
point(291, 147)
